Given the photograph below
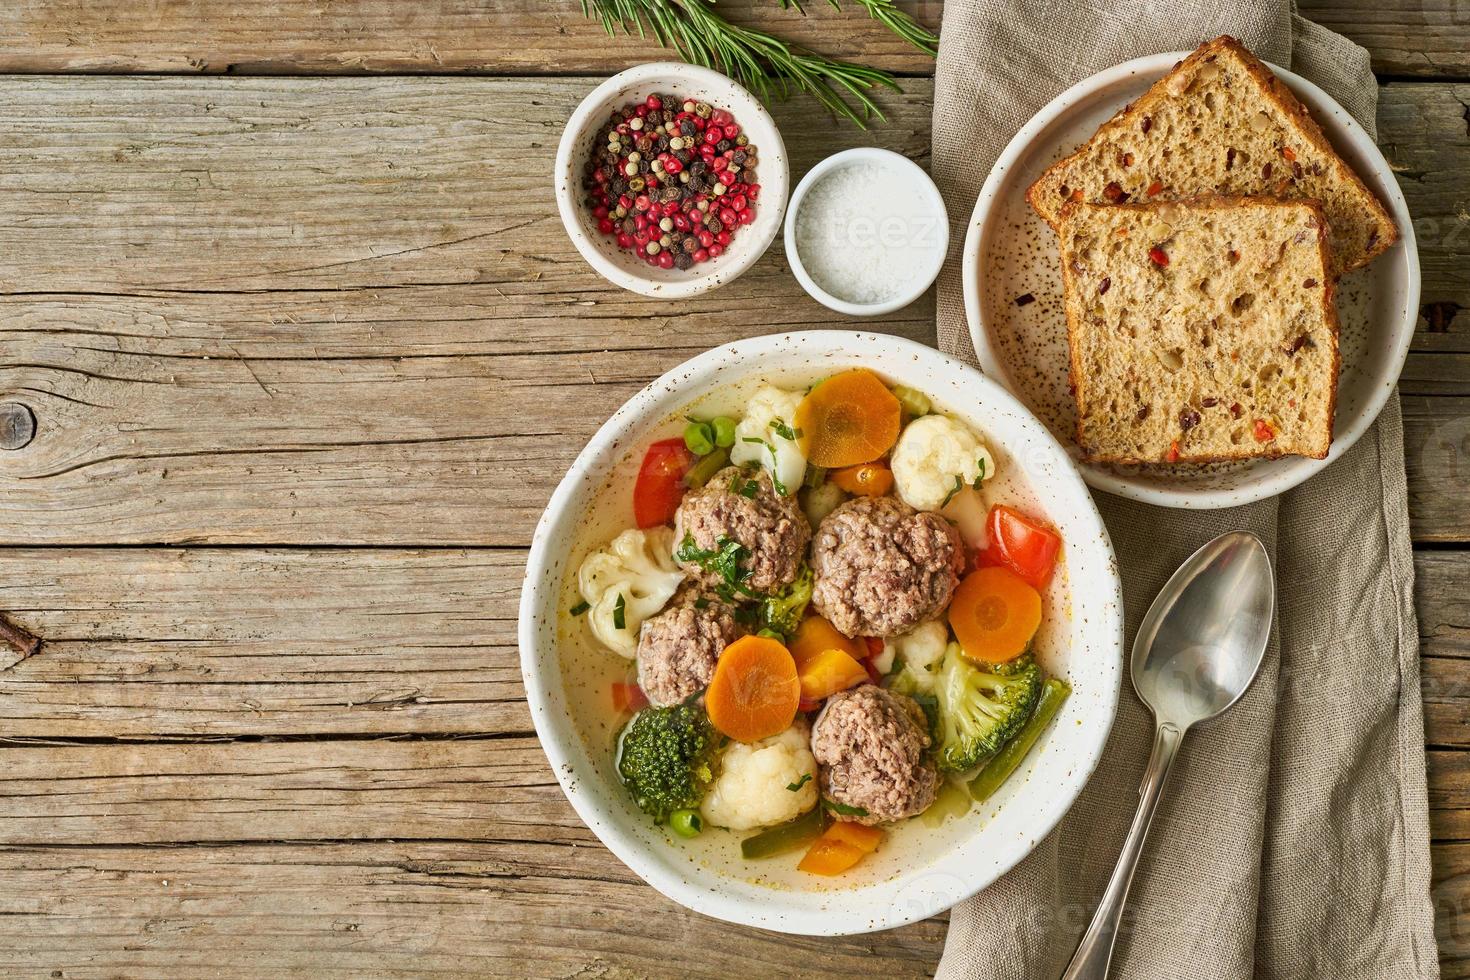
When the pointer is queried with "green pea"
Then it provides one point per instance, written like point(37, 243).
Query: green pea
point(724, 428)
point(686, 823)
point(699, 438)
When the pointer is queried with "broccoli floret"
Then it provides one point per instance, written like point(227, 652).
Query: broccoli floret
point(982, 706)
point(782, 612)
point(668, 757)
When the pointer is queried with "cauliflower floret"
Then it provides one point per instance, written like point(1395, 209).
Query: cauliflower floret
point(753, 788)
point(770, 412)
point(921, 652)
point(935, 456)
point(637, 569)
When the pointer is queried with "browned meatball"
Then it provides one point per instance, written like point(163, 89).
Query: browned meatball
point(678, 647)
point(882, 567)
point(742, 505)
point(870, 745)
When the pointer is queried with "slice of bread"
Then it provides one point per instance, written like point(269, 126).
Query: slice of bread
point(1219, 123)
point(1200, 331)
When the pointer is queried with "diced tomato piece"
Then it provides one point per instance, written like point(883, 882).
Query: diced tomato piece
point(1027, 547)
point(627, 696)
point(660, 486)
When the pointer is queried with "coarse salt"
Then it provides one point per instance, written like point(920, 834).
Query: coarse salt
point(866, 233)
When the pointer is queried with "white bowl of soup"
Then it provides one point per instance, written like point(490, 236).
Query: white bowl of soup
point(864, 602)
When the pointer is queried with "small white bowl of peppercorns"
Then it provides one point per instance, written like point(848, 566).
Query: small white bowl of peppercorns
point(671, 179)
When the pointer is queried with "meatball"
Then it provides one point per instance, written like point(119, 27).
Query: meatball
point(882, 567)
point(677, 648)
point(741, 504)
point(869, 743)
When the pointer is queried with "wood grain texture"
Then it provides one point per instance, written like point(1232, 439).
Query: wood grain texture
point(507, 37)
point(1413, 38)
point(227, 337)
point(1421, 38)
point(491, 908)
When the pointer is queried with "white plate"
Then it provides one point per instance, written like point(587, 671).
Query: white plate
point(1010, 252)
point(919, 871)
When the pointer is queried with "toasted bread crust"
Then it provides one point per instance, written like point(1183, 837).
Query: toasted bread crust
point(1272, 89)
point(1204, 203)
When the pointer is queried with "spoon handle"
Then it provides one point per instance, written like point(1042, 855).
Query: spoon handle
point(1090, 962)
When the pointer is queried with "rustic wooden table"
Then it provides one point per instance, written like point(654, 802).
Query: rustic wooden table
point(285, 289)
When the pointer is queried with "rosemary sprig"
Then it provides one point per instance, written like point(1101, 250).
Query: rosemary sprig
point(887, 13)
point(759, 61)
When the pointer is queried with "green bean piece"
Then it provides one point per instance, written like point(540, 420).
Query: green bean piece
point(815, 476)
point(707, 467)
point(785, 837)
point(913, 401)
point(724, 429)
point(686, 823)
point(995, 772)
point(700, 438)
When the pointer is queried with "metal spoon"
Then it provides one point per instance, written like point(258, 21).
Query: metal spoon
point(1197, 651)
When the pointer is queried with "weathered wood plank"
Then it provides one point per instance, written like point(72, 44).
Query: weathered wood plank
point(1425, 38)
point(1419, 38)
point(499, 908)
point(509, 37)
point(1437, 457)
point(160, 793)
point(210, 643)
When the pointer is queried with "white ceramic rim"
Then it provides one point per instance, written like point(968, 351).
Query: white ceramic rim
point(793, 209)
point(1293, 470)
point(539, 592)
point(769, 213)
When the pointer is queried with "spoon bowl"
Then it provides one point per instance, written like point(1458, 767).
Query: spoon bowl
point(1201, 643)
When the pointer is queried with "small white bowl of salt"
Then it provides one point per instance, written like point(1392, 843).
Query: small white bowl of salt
point(866, 232)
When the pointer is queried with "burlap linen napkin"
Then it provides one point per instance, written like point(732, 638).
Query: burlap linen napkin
point(1293, 839)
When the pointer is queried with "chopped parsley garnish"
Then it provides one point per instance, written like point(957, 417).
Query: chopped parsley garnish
point(580, 608)
point(806, 777)
point(775, 481)
point(725, 560)
point(750, 489)
point(959, 484)
point(981, 478)
point(785, 431)
point(701, 603)
point(842, 809)
point(620, 620)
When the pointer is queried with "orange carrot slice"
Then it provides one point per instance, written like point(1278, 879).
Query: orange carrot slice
point(865, 479)
point(841, 846)
point(815, 635)
point(828, 672)
point(994, 614)
point(848, 419)
point(755, 691)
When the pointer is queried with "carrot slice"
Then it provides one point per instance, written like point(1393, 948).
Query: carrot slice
point(994, 614)
point(815, 635)
point(861, 836)
point(848, 419)
point(828, 672)
point(755, 691)
point(865, 479)
point(841, 846)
